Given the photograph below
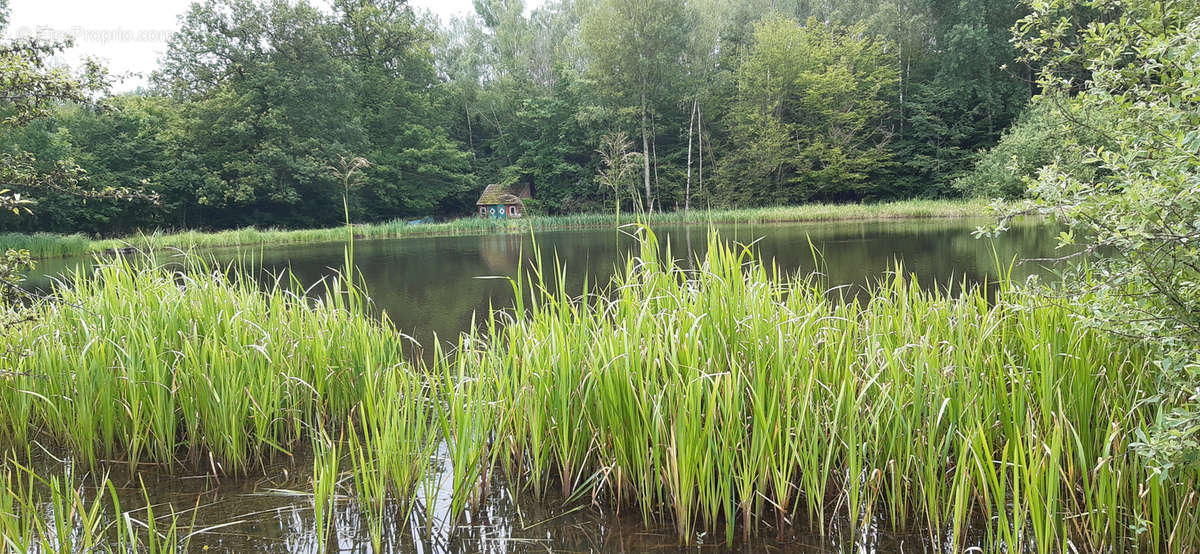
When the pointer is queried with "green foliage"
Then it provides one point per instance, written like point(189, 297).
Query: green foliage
point(31, 90)
point(960, 87)
point(1137, 213)
point(194, 399)
point(79, 154)
point(884, 99)
point(545, 144)
point(13, 265)
point(807, 119)
point(1041, 137)
point(262, 125)
point(253, 103)
point(752, 404)
point(756, 403)
point(635, 52)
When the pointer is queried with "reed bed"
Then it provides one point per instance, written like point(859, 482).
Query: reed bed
point(193, 367)
point(727, 401)
point(49, 245)
point(52, 514)
point(188, 366)
point(733, 400)
point(45, 245)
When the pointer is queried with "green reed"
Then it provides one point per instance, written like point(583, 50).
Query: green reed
point(43, 514)
point(327, 475)
point(731, 399)
point(198, 367)
point(188, 365)
point(48, 245)
point(46, 514)
point(391, 448)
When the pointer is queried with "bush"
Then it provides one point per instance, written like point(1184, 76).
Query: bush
point(1036, 140)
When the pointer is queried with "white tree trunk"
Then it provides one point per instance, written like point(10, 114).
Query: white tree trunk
point(646, 156)
point(687, 191)
point(700, 131)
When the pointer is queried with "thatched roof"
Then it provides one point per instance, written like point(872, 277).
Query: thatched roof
point(500, 194)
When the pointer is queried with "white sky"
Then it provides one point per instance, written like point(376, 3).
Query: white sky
point(130, 35)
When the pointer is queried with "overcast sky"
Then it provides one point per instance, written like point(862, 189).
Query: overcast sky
point(129, 35)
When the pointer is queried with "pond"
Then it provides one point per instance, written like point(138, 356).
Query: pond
point(434, 287)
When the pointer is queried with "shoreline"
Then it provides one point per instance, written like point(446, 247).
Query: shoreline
point(51, 245)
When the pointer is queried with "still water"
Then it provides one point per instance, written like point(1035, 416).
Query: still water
point(434, 287)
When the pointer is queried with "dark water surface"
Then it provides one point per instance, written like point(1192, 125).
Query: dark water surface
point(432, 286)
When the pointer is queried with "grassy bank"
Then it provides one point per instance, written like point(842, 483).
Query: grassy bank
point(728, 400)
point(45, 245)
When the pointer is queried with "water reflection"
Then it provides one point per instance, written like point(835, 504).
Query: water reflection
point(273, 514)
point(434, 287)
point(431, 287)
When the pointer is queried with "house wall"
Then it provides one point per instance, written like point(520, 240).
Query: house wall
point(500, 211)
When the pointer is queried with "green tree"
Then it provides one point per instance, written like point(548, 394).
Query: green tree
point(417, 168)
point(96, 150)
point(808, 118)
point(255, 98)
point(525, 109)
point(265, 99)
point(636, 49)
point(30, 89)
point(1040, 137)
point(1137, 214)
point(274, 92)
point(974, 91)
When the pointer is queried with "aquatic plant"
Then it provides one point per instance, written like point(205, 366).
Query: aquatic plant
point(50, 513)
point(327, 475)
point(729, 399)
point(735, 398)
point(46, 245)
point(189, 365)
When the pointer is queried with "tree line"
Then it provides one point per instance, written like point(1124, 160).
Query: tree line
point(662, 104)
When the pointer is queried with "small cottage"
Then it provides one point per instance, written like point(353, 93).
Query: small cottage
point(502, 202)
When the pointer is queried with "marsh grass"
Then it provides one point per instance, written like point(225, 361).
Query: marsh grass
point(188, 365)
point(735, 399)
point(390, 450)
point(327, 476)
point(46, 514)
point(54, 513)
point(46, 245)
point(729, 400)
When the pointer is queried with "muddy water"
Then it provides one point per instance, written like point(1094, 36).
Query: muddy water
point(433, 287)
point(272, 512)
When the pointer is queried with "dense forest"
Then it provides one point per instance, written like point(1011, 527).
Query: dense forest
point(663, 104)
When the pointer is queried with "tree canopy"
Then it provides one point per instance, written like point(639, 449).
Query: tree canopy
point(1122, 79)
point(725, 104)
point(809, 116)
